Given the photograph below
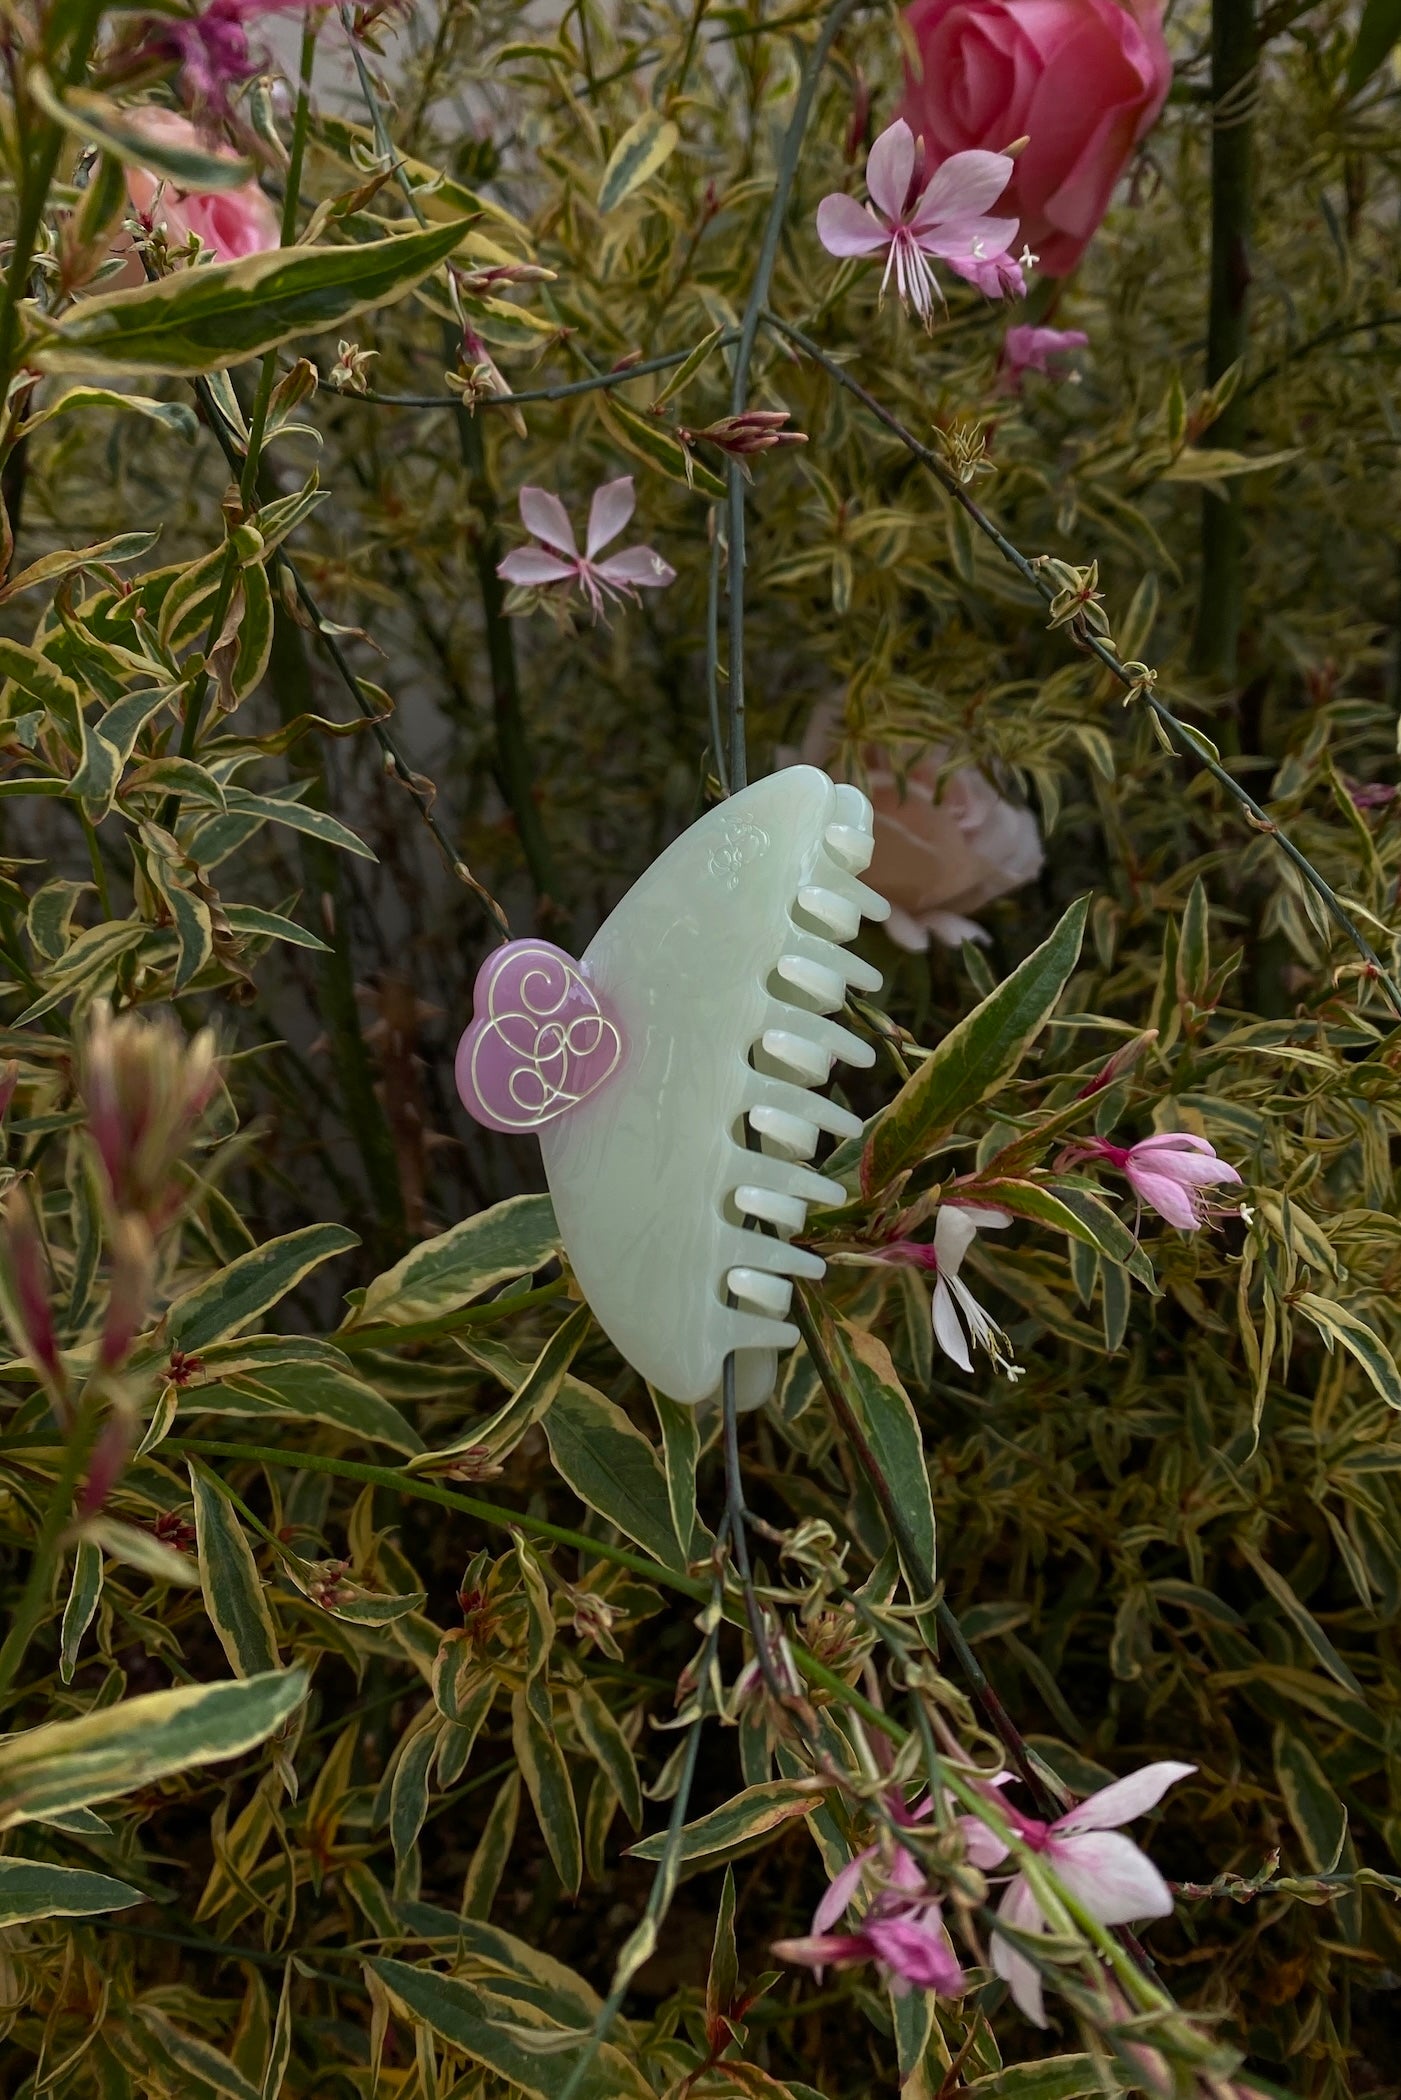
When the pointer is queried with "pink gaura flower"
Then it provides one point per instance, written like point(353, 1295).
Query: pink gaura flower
point(1169, 1173)
point(1104, 1871)
point(902, 1929)
point(558, 560)
point(211, 47)
point(1033, 349)
point(945, 219)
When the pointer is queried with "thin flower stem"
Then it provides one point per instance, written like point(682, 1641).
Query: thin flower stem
point(917, 1573)
point(1188, 741)
point(744, 354)
point(712, 656)
point(737, 1525)
point(595, 383)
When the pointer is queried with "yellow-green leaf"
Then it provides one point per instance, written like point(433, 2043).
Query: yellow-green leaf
point(644, 148)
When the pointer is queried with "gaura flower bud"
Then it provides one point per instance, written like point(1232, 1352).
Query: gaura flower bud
point(133, 1273)
point(145, 1088)
point(24, 1297)
point(754, 430)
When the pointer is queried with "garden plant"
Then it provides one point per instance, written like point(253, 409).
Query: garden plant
point(446, 449)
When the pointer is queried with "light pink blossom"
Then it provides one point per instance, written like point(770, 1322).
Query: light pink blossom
point(902, 1929)
point(1028, 349)
point(1169, 1173)
point(558, 560)
point(945, 219)
point(1104, 1871)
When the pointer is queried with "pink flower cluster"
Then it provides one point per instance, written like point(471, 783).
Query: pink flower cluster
point(901, 1927)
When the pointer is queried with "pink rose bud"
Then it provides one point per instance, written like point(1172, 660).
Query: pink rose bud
point(1081, 80)
point(231, 223)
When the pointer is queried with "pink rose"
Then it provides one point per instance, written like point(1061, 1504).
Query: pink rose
point(1082, 79)
point(231, 223)
point(939, 855)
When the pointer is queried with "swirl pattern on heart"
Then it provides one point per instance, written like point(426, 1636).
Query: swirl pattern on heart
point(540, 1041)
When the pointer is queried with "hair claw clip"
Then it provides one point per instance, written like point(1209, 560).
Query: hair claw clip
point(701, 1004)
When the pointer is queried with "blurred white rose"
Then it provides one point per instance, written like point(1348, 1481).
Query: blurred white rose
point(939, 855)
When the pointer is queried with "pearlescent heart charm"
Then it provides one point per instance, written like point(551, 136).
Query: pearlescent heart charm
point(541, 1041)
point(715, 976)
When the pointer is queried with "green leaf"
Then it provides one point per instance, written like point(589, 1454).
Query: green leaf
point(84, 1593)
point(255, 924)
point(532, 1399)
point(199, 320)
point(611, 1466)
point(976, 1056)
point(30, 1888)
point(492, 1850)
point(1075, 1212)
point(485, 2027)
point(308, 1392)
point(439, 1275)
point(891, 1429)
point(739, 1822)
point(686, 371)
point(408, 1796)
point(1294, 1609)
point(1377, 32)
point(66, 561)
point(254, 632)
point(1337, 1324)
point(204, 2063)
point(69, 1764)
point(235, 1596)
point(96, 121)
point(278, 809)
point(229, 1299)
point(1317, 1814)
point(608, 1746)
point(644, 148)
point(722, 1982)
point(1050, 2078)
point(546, 1776)
point(175, 415)
point(136, 1548)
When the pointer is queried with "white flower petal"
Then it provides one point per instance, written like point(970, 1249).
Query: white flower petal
point(1124, 1799)
point(612, 506)
point(889, 166)
point(1108, 1874)
point(947, 1331)
point(1019, 1907)
point(845, 227)
point(966, 186)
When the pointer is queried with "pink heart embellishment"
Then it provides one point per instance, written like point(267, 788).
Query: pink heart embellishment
point(540, 1041)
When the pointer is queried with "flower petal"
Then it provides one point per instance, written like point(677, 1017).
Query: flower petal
point(1168, 1198)
point(535, 565)
point(636, 568)
point(545, 516)
point(843, 1950)
point(965, 186)
point(982, 239)
point(917, 1950)
point(1175, 1141)
point(889, 166)
point(947, 1331)
point(843, 1888)
point(1111, 1877)
point(1019, 1907)
point(982, 1847)
point(955, 1230)
point(845, 227)
point(1124, 1799)
point(612, 506)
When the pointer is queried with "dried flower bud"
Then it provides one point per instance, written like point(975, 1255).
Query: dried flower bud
point(145, 1088)
point(24, 1291)
point(351, 371)
point(133, 1273)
